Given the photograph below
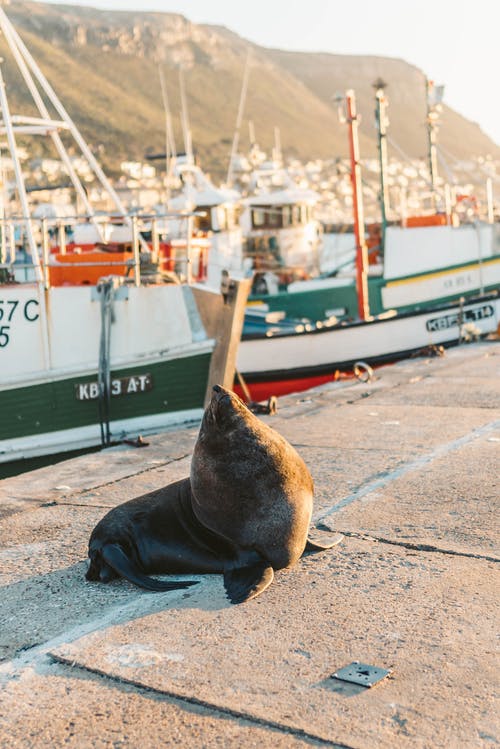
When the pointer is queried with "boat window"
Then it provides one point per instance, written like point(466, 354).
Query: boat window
point(222, 223)
point(296, 214)
point(258, 218)
point(275, 216)
point(287, 215)
point(203, 222)
point(268, 217)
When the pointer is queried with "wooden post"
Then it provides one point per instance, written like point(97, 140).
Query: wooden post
point(223, 316)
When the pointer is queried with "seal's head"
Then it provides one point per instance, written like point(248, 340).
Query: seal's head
point(224, 412)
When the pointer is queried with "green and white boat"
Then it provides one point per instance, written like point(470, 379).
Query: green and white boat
point(84, 363)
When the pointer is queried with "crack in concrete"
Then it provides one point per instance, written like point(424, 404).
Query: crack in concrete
point(414, 546)
point(78, 492)
point(412, 465)
point(212, 706)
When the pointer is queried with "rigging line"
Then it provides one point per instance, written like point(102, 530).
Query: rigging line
point(239, 119)
point(449, 172)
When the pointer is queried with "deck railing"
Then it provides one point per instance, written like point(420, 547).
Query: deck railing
point(55, 235)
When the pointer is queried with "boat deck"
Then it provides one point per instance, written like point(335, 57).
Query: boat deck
point(405, 468)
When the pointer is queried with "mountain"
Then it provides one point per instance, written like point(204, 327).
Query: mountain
point(104, 65)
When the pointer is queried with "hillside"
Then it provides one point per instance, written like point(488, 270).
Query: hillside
point(105, 67)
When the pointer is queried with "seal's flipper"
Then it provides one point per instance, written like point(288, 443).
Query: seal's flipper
point(115, 557)
point(247, 577)
point(324, 542)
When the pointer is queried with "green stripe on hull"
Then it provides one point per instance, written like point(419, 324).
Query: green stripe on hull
point(315, 304)
point(178, 385)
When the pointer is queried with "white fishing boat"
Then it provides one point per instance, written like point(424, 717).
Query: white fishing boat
point(97, 344)
point(289, 360)
point(438, 285)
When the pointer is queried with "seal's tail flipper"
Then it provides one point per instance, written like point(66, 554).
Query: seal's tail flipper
point(247, 576)
point(324, 542)
point(116, 558)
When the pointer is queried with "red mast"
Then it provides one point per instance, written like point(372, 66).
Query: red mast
point(357, 198)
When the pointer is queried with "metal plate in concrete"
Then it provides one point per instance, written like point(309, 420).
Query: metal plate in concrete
point(420, 615)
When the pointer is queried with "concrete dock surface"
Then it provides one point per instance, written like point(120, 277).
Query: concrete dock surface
point(406, 467)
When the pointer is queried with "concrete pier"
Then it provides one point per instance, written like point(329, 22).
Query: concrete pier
point(406, 467)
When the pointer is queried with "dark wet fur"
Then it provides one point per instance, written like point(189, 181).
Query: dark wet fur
point(165, 531)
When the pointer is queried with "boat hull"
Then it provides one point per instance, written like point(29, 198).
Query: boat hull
point(158, 357)
point(62, 414)
point(298, 358)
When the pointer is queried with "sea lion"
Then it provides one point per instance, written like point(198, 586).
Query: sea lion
point(244, 512)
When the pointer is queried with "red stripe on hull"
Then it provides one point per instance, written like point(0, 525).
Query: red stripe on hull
point(261, 391)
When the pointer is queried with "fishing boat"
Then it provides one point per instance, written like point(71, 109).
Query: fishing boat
point(98, 342)
point(413, 261)
point(290, 358)
point(436, 286)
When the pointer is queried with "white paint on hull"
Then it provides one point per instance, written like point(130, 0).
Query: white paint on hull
point(90, 436)
point(378, 338)
point(151, 324)
point(442, 284)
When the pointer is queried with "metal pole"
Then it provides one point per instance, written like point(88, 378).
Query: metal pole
point(489, 200)
point(10, 35)
point(45, 252)
point(5, 24)
point(432, 126)
point(21, 188)
point(189, 266)
point(135, 247)
point(447, 203)
point(155, 242)
point(3, 252)
point(12, 242)
point(170, 149)
point(239, 117)
point(382, 122)
point(185, 120)
point(61, 233)
point(357, 197)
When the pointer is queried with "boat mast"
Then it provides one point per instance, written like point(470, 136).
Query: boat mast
point(382, 122)
point(434, 96)
point(186, 130)
point(18, 173)
point(357, 200)
point(170, 149)
point(9, 33)
point(19, 49)
point(239, 118)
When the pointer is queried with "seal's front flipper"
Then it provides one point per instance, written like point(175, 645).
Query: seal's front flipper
point(115, 557)
point(247, 576)
point(324, 542)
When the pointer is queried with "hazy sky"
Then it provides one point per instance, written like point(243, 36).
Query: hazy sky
point(454, 42)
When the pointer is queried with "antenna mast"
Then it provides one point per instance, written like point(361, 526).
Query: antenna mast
point(239, 118)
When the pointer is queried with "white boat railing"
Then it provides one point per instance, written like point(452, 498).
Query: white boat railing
point(59, 235)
